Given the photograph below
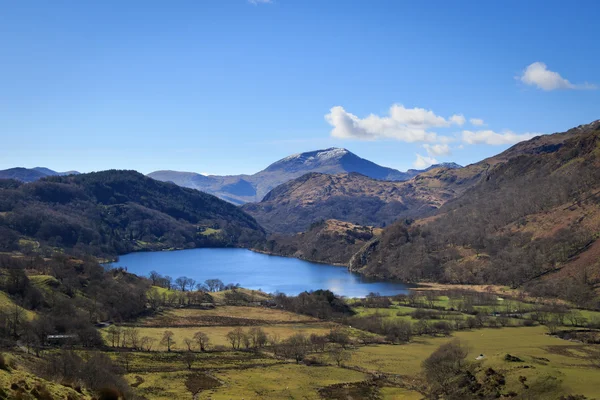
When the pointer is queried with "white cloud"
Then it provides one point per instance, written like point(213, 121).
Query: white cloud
point(458, 120)
point(423, 162)
point(494, 138)
point(404, 124)
point(538, 74)
point(257, 2)
point(476, 122)
point(437, 149)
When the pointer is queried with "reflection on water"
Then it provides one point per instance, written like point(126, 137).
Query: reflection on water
point(256, 271)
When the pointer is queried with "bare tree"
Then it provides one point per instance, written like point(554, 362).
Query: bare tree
point(154, 277)
point(133, 335)
point(114, 333)
point(182, 283)
point(125, 358)
point(147, 342)
point(188, 343)
point(202, 340)
point(339, 355)
point(214, 285)
point(189, 358)
point(257, 337)
point(236, 337)
point(167, 339)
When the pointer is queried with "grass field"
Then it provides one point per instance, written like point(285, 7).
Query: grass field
point(279, 382)
point(217, 334)
point(221, 316)
point(30, 383)
point(7, 304)
point(568, 361)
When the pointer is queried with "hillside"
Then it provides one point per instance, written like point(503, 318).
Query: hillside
point(531, 221)
point(293, 206)
point(31, 174)
point(115, 212)
point(331, 242)
point(240, 189)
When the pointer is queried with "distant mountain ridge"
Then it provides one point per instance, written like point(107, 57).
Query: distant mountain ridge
point(240, 189)
point(31, 174)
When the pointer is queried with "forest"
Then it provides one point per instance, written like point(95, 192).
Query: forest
point(108, 213)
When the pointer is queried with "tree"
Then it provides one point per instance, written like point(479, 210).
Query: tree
point(168, 282)
point(114, 333)
point(147, 342)
point(318, 341)
point(167, 339)
point(257, 336)
point(296, 347)
point(202, 340)
point(339, 355)
point(188, 343)
point(214, 285)
point(445, 367)
point(189, 358)
point(155, 299)
point(576, 318)
point(125, 358)
point(154, 277)
point(182, 283)
point(340, 336)
point(133, 335)
point(236, 337)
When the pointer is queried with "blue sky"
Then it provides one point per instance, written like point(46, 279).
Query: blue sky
point(229, 86)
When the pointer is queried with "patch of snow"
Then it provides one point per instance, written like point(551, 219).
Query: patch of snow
point(332, 153)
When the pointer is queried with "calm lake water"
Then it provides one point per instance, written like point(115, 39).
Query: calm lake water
point(256, 271)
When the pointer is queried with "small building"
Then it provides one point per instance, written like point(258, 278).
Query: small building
point(59, 340)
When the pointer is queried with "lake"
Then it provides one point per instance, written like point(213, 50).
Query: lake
point(256, 271)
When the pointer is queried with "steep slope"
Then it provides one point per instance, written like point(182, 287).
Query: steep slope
point(293, 206)
point(31, 174)
point(240, 189)
point(530, 221)
point(331, 241)
point(115, 212)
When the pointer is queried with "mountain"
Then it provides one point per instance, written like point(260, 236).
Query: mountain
point(532, 219)
point(293, 206)
point(116, 212)
point(240, 189)
point(31, 174)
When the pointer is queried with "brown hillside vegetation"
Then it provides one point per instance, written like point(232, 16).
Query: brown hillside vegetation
point(294, 206)
point(535, 212)
point(330, 241)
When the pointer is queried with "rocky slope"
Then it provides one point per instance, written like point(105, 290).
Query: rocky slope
point(293, 206)
point(331, 241)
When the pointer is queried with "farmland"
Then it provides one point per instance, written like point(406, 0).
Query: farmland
point(238, 343)
point(546, 363)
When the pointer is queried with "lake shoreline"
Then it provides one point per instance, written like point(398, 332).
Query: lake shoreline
point(270, 253)
point(257, 270)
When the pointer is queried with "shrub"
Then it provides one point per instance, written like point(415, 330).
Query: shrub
point(3, 362)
